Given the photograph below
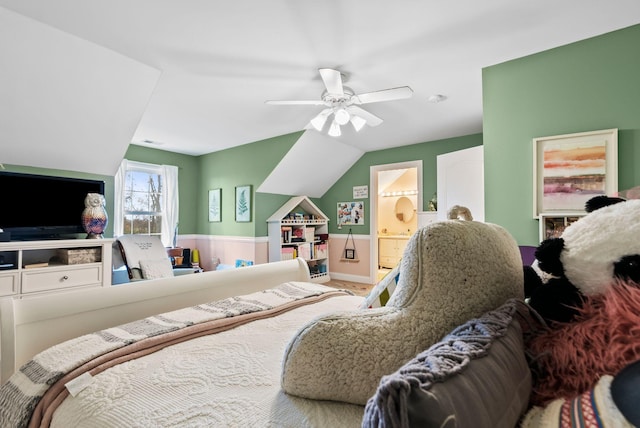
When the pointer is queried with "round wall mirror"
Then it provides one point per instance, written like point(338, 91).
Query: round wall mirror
point(404, 209)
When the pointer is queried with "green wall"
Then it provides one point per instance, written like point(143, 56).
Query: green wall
point(585, 86)
point(252, 163)
point(359, 174)
point(247, 164)
point(188, 177)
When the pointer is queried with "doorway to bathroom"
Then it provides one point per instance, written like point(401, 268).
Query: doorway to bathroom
point(396, 199)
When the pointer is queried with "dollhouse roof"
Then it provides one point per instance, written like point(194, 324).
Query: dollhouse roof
point(301, 202)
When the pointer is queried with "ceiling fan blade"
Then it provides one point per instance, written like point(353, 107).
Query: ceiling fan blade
point(293, 102)
point(372, 119)
point(399, 93)
point(332, 80)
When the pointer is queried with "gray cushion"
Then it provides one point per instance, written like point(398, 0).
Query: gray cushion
point(476, 376)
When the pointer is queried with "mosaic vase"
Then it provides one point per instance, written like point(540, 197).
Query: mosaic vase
point(94, 216)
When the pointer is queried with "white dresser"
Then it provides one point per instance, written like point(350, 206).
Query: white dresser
point(390, 250)
point(31, 268)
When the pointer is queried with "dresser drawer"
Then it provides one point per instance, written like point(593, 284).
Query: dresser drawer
point(388, 262)
point(55, 279)
point(8, 284)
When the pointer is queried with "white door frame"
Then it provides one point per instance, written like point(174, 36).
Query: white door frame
point(373, 206)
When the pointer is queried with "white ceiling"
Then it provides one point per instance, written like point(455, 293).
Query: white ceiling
point(193, 75)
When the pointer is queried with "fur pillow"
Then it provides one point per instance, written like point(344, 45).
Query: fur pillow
point(570, 358)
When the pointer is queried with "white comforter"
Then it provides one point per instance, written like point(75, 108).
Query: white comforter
point(229, 379)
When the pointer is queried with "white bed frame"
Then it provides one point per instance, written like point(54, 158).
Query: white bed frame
point(30, 325)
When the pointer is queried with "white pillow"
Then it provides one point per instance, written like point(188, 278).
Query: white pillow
point(156, 268)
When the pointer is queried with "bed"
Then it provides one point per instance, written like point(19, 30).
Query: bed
point(254, 346)
point(246, 358)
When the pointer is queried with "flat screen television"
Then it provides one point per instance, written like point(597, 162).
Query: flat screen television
point(35, 207)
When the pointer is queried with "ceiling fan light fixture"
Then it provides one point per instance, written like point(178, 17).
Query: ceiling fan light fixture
point(342, 116)
point(319, 121)
point(334, 129)
point(341, 102)
point(357, 122)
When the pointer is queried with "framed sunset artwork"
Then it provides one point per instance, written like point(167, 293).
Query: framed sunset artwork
point(568, 170)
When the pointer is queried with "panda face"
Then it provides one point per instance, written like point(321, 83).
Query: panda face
point(628, 268)
point(602, 246)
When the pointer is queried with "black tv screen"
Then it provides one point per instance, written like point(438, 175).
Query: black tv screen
point(43, 207)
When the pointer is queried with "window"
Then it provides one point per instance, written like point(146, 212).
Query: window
point(142, 208)
point(146, 200)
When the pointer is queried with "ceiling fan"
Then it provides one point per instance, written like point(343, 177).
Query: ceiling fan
point(341, 102)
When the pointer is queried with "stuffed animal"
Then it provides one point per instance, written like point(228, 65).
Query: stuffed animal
point(591, 304)
point(458, 212)
point(590, 254)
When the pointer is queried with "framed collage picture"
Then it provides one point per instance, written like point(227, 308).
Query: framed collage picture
point(350, 213)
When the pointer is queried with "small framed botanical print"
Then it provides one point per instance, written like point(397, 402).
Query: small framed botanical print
point(243, 204)
point(215, 205)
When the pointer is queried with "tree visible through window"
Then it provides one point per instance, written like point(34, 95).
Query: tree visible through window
point(146, 201)
point(143, 203)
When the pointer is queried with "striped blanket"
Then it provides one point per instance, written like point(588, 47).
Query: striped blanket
point(592, 408)
point(32, 394)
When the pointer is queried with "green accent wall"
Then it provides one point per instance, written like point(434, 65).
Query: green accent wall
point(359, 175)
point(252, 163)
point(585, 86)
point(247, 164)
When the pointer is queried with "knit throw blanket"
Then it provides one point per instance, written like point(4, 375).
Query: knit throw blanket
point(32, 394)
point(389, 406)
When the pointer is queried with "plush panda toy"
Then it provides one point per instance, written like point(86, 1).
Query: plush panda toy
point(590, 254)
point(591, 304)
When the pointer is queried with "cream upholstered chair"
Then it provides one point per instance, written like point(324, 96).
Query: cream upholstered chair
point(145, 257)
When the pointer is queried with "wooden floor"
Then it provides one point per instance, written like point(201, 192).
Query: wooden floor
point(358, 288)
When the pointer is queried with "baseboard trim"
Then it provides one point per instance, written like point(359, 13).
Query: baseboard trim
point(228, 238)
point(351, 278)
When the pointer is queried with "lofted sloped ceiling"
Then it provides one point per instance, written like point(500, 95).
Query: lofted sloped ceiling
point(312, 166)
point(66, 103)
point(81, 79)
